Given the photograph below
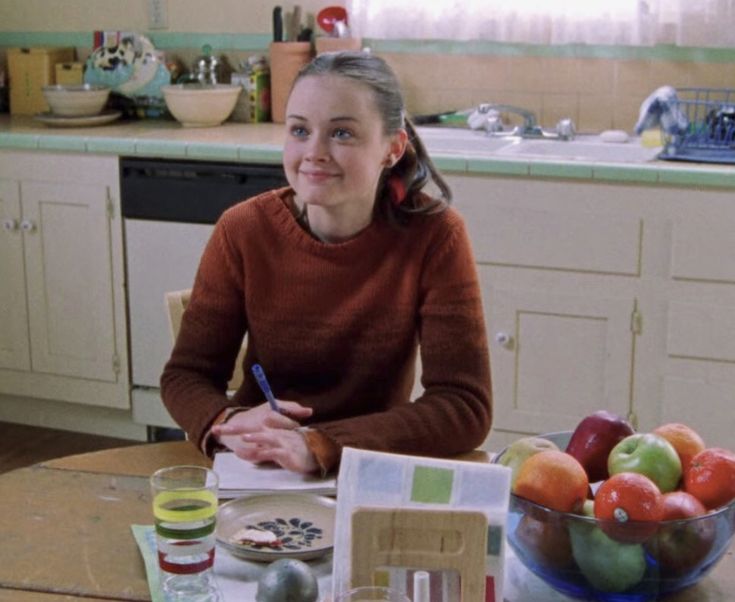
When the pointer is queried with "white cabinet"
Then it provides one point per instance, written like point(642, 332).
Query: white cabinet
point(601, 295)
point(63, 314)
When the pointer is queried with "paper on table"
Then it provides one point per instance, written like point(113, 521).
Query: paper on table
point(239, 477)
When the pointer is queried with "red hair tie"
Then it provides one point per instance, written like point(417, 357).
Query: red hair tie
point(397, 189)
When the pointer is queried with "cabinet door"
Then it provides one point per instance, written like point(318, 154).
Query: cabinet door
point(557, 358)
point(69, 273)
point(14, 344)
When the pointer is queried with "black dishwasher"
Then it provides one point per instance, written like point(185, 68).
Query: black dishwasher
point(169, 208)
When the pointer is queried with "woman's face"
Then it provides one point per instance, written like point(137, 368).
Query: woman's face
point(335, 146)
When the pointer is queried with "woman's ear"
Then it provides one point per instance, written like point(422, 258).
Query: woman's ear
point(398, 142)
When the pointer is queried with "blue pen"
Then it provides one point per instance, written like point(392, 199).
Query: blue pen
point(265, 387)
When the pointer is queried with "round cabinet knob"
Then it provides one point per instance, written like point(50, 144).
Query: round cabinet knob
point(504, 339)
point(10, 225)
point(27, 225)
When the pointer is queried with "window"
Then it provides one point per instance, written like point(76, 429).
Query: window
point(699, 23)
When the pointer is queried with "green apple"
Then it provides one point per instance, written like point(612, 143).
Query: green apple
point(588, 508)
point(520, 450)
point(608, 565)
point(650, 455)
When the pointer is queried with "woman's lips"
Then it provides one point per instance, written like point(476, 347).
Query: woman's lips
point(318, 176)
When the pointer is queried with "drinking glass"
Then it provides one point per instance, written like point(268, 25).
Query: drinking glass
point(185, 512)
point(372, 594)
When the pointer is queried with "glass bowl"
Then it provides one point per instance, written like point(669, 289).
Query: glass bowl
point(591, 559)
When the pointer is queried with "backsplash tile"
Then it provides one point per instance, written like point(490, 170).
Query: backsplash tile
point(596, 93)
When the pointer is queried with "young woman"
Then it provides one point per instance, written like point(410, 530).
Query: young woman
point(338, 280)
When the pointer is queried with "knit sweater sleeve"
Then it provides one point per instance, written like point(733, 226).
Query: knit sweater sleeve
point(454, 414)
point(194, 380)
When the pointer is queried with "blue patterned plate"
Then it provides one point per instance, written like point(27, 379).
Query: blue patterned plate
point(129, 64)
point(268, 527)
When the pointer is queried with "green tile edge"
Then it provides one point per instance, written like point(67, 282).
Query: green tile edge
point(560, 170)
point(19, 141)
point(697, 178)
point(160, 148)
point(261, 155)
point(228, 152)
point(616, 173)
point(113, 146)
point(62, 143)
point(493, 166)
point(260, 41)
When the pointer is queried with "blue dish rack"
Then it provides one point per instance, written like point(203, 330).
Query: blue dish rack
point(710, 136)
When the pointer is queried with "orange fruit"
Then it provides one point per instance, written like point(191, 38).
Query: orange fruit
point(553, 479)
point(626, 500)
point(711, 477)
point(684, 439)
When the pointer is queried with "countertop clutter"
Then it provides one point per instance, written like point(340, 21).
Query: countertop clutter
point(454, 150)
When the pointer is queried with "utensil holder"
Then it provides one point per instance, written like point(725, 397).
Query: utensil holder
point(287, 58)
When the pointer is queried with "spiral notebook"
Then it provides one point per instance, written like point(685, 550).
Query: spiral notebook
point(238, 477)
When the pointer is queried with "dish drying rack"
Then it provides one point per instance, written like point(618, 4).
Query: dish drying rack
point(710, 135)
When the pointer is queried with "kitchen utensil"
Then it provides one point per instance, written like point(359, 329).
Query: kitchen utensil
point(277, 24)
point(294, 24)
point(82, 100)
point(329, 16)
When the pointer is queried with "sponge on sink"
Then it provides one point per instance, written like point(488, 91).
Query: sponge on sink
point(614, 136)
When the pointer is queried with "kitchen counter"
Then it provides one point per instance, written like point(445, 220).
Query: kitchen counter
point(262, 143)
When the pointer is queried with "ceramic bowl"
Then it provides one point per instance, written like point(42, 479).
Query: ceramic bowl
point(201, 105)
point(591, 559)
point(81, 100)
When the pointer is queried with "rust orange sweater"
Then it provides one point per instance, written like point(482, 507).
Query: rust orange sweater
point(336, 327)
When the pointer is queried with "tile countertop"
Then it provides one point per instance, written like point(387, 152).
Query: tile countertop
point(262, 143)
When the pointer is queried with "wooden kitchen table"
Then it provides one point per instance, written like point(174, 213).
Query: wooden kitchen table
point(65, 530)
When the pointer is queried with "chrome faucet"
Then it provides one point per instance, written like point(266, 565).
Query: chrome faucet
point(487, 116)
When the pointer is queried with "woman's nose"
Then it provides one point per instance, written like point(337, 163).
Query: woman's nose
point(317, 149)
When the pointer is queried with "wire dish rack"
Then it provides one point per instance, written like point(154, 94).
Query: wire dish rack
point(710, 135)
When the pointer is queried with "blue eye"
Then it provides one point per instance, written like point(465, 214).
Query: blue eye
point(299, 131)
point(342, 134)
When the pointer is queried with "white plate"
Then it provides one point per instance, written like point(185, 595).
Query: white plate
point(302, 523)
point(88, 120)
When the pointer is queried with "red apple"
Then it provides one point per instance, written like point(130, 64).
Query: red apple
point(546, 541)
point(680, 545)
point(593, 439)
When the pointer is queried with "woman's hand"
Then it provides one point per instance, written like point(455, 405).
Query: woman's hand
point(262, 435)
point(286, 448)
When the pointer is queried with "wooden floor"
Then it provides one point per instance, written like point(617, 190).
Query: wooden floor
point(22, 445)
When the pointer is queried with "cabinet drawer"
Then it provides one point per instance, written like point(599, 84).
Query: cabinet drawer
point(581, 242)
point(703, 249)
point(701, 331)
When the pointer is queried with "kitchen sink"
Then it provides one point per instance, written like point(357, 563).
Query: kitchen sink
point(583, 148)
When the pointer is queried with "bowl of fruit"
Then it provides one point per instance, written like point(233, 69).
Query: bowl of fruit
point(610, 514)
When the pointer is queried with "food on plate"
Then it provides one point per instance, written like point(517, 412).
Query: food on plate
point(287, 580)
point(522, 449)
point(251, 536)
point(608, 565)
point(553, 479)
point(650, 455)
point(711, 477)
point(627, 498)
point(685, 440)
point(593, 439)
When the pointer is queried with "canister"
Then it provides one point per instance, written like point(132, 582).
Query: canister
point(30, 69)
point(69, 74)
point(287, 58)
